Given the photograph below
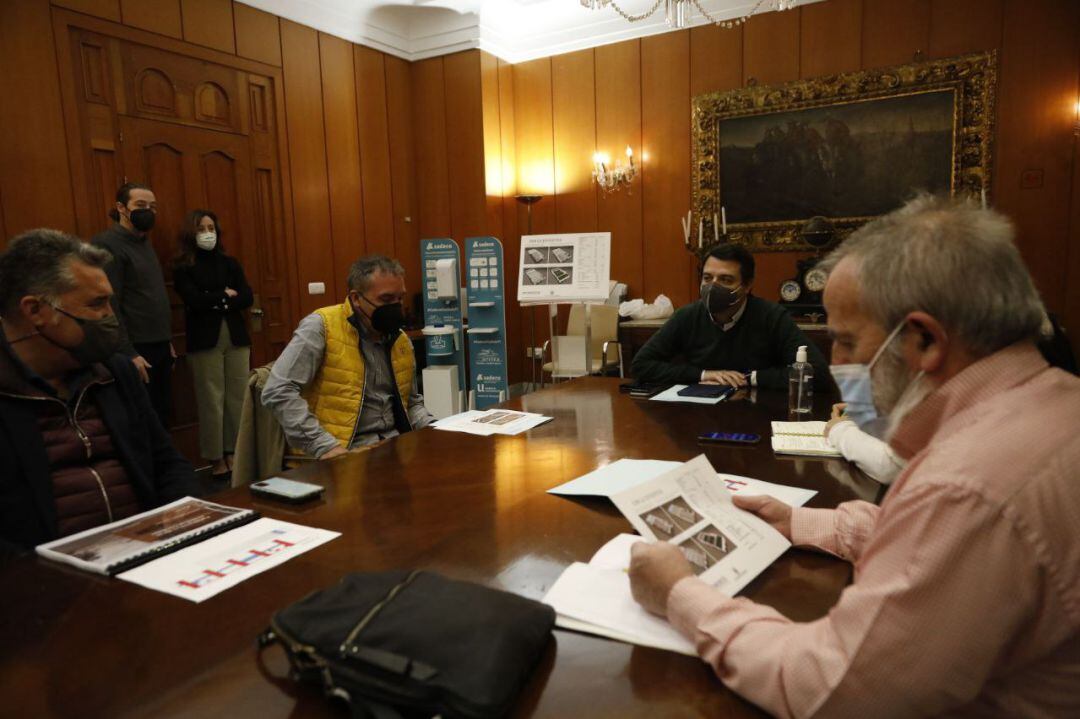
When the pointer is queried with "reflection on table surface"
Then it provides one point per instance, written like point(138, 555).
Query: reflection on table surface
point(470, 507)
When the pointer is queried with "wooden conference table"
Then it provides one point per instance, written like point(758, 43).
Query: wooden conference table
point(74, 644)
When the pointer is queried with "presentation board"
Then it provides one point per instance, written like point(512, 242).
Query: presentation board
point(485, 284)
point(565, 268)
point(443, 342)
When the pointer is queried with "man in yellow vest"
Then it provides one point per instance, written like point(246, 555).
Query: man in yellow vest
point(347, 379)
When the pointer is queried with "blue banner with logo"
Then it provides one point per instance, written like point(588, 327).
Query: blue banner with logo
point(443, 341)
point(485, 283)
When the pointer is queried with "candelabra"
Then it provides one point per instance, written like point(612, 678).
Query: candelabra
point(611, 177)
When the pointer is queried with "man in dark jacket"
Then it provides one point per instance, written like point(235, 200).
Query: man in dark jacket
point(139, 295)
point(81, 443)
point(730, 337)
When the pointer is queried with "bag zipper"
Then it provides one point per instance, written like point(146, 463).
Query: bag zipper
point(367, 618)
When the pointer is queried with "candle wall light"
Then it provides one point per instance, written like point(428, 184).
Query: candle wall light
point(611, 177)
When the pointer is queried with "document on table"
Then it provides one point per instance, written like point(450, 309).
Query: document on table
point(671, 394)
point(595, 598)
point(623, 474)
point(802, 438)
point(216, 564)
point(726, 546)
point(492, 421)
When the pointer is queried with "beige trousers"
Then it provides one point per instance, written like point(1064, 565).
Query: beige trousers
point(221, 376)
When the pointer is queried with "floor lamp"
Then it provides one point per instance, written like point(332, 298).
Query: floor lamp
point(529, 201)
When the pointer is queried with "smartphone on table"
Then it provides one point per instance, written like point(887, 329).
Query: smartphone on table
point(729, 438)
point(286, 490)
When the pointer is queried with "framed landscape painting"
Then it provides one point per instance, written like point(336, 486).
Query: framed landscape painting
point(847, 147)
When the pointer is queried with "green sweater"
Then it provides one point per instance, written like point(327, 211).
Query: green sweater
point(764, 340)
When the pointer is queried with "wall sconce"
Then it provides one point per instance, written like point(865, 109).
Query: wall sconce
point(609, 177)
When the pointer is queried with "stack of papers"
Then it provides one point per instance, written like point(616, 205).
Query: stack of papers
point(625, 474)
point(802, 438)
point(595, 598)
point(726, 547)
point(492, 421)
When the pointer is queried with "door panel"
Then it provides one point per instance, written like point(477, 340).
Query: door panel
point(188, 169)
point(202, 133)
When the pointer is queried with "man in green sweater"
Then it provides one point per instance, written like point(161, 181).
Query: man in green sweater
point(729, 337)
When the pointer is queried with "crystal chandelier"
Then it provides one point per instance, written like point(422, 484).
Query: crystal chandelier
point(677, 12)
point(611, 177)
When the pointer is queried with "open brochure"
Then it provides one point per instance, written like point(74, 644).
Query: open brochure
point(726, 547)
point(622, 474)
point(802, 438)
point(115, 547)
point(203, 570)
point(492, 421)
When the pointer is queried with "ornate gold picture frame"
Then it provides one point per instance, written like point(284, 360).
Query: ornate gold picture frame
point(849, 147)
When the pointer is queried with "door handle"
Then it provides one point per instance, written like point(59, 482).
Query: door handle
point(256, 315)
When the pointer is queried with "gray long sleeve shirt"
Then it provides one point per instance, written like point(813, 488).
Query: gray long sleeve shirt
point(298, 365)
point(140, 299)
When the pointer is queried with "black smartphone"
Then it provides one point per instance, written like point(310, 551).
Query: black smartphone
point(728, 438)
point(639, 390)
point(708, 391)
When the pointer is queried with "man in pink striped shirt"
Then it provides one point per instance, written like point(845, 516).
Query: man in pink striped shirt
point(966, 599)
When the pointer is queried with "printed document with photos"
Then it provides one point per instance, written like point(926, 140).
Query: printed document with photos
point(491, 421)
point(691, 508)
point(565, 268)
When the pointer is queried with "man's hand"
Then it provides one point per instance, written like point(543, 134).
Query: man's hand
point(836, 417)
point(172, 351)
point(141, 366)
point(724, 376)
point(774, 512)
point(335, 452)
point(230, 292)
point(654, 570)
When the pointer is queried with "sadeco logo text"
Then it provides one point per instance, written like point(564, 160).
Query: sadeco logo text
point(440, 246)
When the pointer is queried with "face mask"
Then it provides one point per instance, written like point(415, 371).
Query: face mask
point(856, 387)
point(206, 240)
point(101, 338)
point(717, 298)
point(387, 319)
point(143, 219)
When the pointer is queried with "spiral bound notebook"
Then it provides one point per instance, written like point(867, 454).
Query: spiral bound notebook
point(116, 547)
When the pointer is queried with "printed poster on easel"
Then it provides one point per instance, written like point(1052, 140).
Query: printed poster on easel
point(565, 268)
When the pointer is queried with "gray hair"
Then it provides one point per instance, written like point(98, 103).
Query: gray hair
point(952, 260)
point(38, 262)
point(365, 268)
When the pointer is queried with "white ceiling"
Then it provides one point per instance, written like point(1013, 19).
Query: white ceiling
point(514, 30)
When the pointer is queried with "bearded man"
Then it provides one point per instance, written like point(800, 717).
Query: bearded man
point(966, 596)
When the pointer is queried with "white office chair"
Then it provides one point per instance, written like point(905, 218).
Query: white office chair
point(567, 352)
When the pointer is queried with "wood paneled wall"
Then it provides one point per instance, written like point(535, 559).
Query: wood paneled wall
point(350, 143)
point(638, 93)
point(382, 152)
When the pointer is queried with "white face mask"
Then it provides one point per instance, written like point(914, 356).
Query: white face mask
point(206, 240)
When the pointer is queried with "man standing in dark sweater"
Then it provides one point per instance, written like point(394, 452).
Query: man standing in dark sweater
point(140, 299)
point(729, 337)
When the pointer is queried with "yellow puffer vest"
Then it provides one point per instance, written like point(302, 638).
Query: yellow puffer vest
point(336, 395)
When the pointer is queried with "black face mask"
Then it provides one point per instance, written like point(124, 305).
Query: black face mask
point(143, 219)
point(388, 319)
point(717, 298)
point(101, 338)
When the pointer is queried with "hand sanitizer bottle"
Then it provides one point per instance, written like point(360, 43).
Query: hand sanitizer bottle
point(800, 384)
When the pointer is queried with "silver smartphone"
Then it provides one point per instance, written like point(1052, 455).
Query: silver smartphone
point(286, 490)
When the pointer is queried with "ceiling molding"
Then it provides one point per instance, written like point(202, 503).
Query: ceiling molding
point(513, 30)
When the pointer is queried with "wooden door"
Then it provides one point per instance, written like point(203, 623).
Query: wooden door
point(201, 129)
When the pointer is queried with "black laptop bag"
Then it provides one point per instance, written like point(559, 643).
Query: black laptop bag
point(414, 644)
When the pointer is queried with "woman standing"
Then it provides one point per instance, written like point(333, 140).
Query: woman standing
point(215, 293)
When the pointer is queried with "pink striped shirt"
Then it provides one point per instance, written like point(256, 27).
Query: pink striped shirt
point(966, 599)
